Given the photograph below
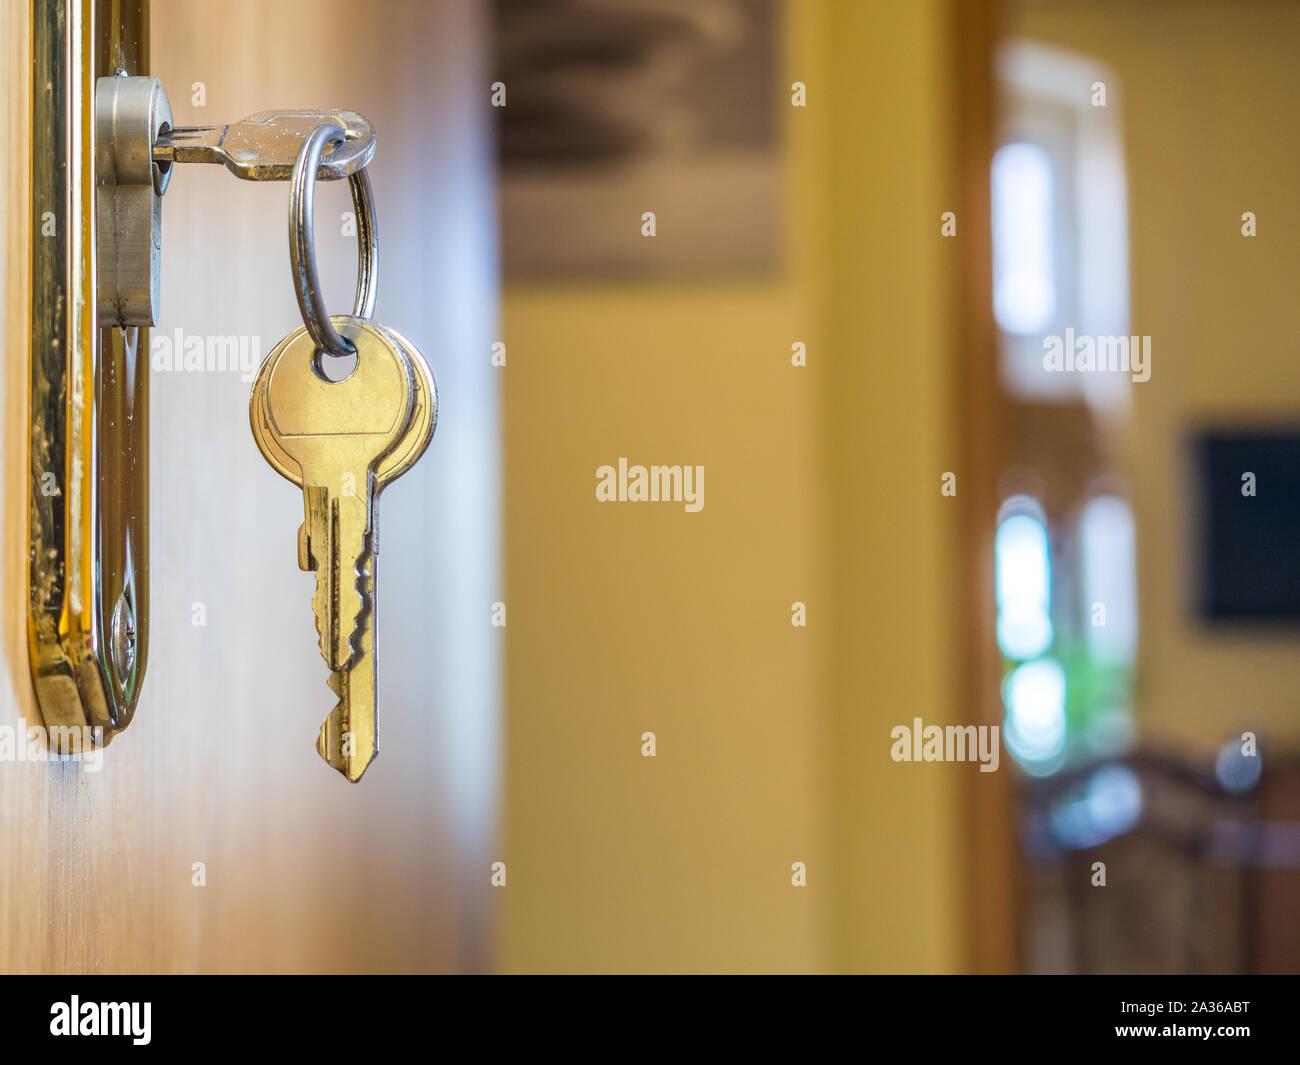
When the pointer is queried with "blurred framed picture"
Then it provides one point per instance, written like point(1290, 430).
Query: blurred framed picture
point(637, 137)
point(1248, 526)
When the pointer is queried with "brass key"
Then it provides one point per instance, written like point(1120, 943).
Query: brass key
point(335, 433)
point(349, 736)
point(358, 687)
point(341, 439)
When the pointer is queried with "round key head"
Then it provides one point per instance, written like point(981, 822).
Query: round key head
point(419, 431)
point(301, 419)
point(424, 417)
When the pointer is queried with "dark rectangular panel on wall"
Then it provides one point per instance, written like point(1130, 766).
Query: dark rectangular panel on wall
point(1248, 532)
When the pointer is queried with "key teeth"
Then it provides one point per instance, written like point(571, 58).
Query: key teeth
point(361, 617)
point(361, 570)
point(329, 744)
point(351, 619)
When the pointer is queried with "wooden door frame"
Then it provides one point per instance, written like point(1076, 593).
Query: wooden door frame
point(992, 915)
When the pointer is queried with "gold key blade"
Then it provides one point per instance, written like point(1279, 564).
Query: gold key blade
point(349, 737)
point(337, 527)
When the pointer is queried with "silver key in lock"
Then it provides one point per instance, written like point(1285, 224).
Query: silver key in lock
point(264, 146)
point(136, 150)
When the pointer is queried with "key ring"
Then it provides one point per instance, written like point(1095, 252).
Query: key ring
point(302, 243)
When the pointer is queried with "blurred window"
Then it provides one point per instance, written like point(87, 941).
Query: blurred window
point(1067, 630)
point(1024, 576)
point(1109, 571)
point(1065, 564)
point(1024, 278)
point(1034, 727)
point(1060, 220)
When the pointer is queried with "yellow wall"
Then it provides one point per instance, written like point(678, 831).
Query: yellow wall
point(1208, 101)
point(821, 486)
point(896, 596)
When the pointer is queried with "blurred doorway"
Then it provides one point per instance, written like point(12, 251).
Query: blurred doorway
point(1134, 149)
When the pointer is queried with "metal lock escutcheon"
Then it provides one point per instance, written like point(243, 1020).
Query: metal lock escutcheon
point(130, 115)
point(88, 385)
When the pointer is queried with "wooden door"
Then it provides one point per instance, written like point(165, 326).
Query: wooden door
point(217, 778)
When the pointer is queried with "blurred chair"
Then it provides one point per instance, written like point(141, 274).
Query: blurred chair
point(1206, 879)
